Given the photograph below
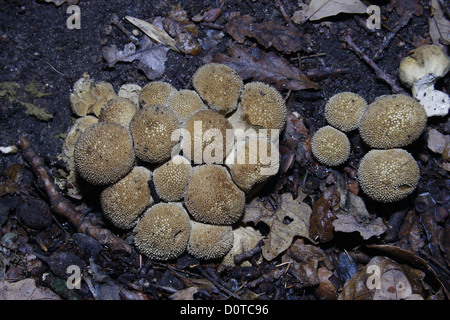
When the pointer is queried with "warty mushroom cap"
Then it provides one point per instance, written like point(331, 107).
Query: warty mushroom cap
point(118, 110)
point(330, 146)
point(155, 93)
point(344, 110)
point(171, 178)
point(185, 102)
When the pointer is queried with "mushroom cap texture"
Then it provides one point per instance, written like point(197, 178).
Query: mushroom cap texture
point(118, 110)
point(185, 102)
point(263, 106)
point(156, 93)
point(163, 232)
point(103, 92)
point(219, 86)
point(207, 120)
point(388, 175)
point(152, 128)
point(424, 60)
point(124, 201)
point(171, 178)
point(392, 121)
point(344, 110)
point(212, 197)
point(330, 146)
point(104, 153)
point(209, 241)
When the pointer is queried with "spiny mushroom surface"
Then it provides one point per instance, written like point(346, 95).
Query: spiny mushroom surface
point(163, 232)
point(118, 110)
point(208, 241)
point(155, 93)
point(152, 128)
point(185, 103)
point(171, 178)
point(104, 153)
point(330, 146)
point(263, 106)
point(212, 197)
point(388, 175)
point(219, 85)
point(392, 121)
point(344, 110)
point(124, 201)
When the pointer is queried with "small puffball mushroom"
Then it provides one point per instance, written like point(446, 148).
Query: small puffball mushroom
point(330, 146)
point(263, 106)
point(421, 70)
point(212, 197)
point(185, 102)
point(171, 178)
point(163, 232)
point(219, 85)
point(104, 153)
point(205, 137)
point(344, 110)
point(152, 128)
point(81, 99)
point(103, 92)
point(118, 110)
point(130, 91)
point(208, 241)
point(392, 121)
point(388, 175)
point(124, 201)
point(156, 93)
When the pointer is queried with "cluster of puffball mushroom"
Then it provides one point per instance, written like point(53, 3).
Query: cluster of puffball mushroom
point(150, 181)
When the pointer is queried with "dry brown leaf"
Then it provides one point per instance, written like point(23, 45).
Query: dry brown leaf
point(286, 39)
point(404, 6)
point(266, 67)
point(323, 214)
point(439, 26)
point(319, 9)
point(290, 220)
point(25, 290)
point(184, 39)
point(348, 223)
point(184, 294)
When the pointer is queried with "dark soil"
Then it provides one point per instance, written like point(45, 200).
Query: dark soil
point(38, 48)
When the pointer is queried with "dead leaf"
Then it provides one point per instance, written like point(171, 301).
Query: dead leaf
point(151, 57)
point(184, 294)
point(25, 290)
point(404, 6)
point(324, 212)
point(179, 15)
point(60, 2)
point(325, 290)
point(297, 140)
point(185, 40)
point(348, 223)
point(319, 9)
point(266, 67)
point(290, 220)
point(439, 26)
point(286, 39)
point(436, 141)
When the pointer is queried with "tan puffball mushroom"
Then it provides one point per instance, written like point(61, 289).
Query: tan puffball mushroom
point(103, 92)
point(344, 110)
point(104, 153)
point(156, 93)
point(263, 106)
point(208, 242)
point(245, 239)
point(392, 121)
point(219, 85)
point(118, 110)
point(185, 102)
point(152, 128)
point(130, 91)
point(82, 99)
point(212, 197)
point(330, 146)
point(204, 137)
point(252, 162)
point(171, 178)
point(388, 175)
point(163, 232)
point(124, 201)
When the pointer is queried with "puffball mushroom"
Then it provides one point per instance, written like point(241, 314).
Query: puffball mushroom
point(420, 71)
point(185, 102)
point(171, 178)
point(163, 232)
point(124, 201)
point(388, 175)
point(219, 86)
point(263, 106)
point(212, 197)
point(156, 93)
point(344, 110)
point(330, 146)
point(151, 128)
point(392, 121)
point(208, 241)
point(104, 153)
point(118, 110)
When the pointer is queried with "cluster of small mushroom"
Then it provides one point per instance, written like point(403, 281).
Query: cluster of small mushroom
point(153, 180)
point(387, 173)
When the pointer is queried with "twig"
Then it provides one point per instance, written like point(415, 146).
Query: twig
point(64, 208)
point(217, 284)
point(239, 258)
point(380, 73)
point(283, 12)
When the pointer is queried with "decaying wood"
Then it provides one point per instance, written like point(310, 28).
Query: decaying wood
point(63, 207)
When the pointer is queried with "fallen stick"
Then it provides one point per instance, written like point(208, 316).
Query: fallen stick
point(380, 73)
point(64, 208)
